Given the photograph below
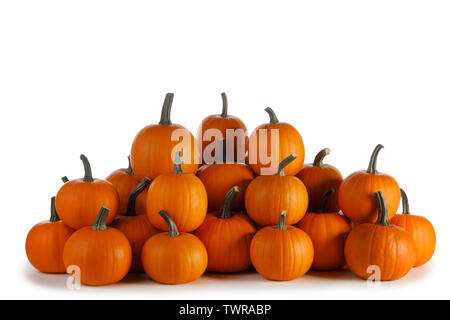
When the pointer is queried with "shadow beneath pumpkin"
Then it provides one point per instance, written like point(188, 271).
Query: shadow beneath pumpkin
point(343, 274)
point(48, 280)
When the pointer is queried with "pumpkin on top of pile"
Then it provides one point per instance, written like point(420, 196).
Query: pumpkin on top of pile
point(165, 216)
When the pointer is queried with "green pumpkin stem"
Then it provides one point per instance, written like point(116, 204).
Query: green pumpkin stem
point(373, 160)
point(100, 221)
point(167, 106)
point(131, 206)
point(405, 202)
point(177, 163)
point(53, 214)
point(129, 170)
point(383, 217)
point(272, 115)
point(325, 198)
point(225, 211)
point(173, 230)
point(318, 160)
point(65, 179)
point(224, 105)
point(282, 221)
point(284, 163)
point(87, 169)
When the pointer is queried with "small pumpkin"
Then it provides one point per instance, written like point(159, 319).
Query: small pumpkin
point(102, 253)
point(318, 179)
point(135, 227)
point(281, 252)
point(45, 242)
point(356, 192)
point(328, 232)
point(227, 236)
point(289, 141)
point(181, 194)
point(173, 257)
point(152, 149)
point(390, 248)
point(78, 201)
point(420, 229)
point(268, 195)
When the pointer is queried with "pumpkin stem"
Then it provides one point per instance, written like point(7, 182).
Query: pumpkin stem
point(129, 169)
point(318, 160)
point(87, 169)
point(131, 206)
point(382, 210)
point(53, 214)
point(167, 106)
point(224, 105)
point(100, 221)
point(325, 198)
point(272, 115)
point(405, 202)
point(284, 163)
point(282, 221)
point(225, 211)
point(373, 160)
point(65, 179)
point(173, 230)
point(177, 163)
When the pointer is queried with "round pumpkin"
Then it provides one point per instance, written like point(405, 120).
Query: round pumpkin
point(421, 230)
point(173, 257)
point(154, 146)
point(181, 194)
point(289, 141)
point(267, 196)
point(227, 236)
point(45, 243)
point(318, 178)
point(281, 252)
point(328, 232)
point(356, 192)
point(102, 253)
point(78, 201)
point(380, 245)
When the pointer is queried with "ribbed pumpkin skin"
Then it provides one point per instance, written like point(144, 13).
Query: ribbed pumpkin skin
point(328, 232)
point(281, 254)
point(219, 178)
point(138, 230)
point(183, 195)
point(390, 248)
point(124, 184)
point(104, 257)
point(267, 196)
point(423, 234)
point(44, 246)
point(227, 242)
point(174, 260)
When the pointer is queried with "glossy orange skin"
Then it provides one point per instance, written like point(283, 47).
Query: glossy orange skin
point(104, 257)
point(389, 247)
point(219, 178)
point(356, 196)
point(174, 260)
point(328, 232)
point(138, 230)
point(281, 254)
point(290, 141)
point(227, 242)
point(151, 152)
point(182, 195)
point(422, 232)
point(124, 183)
point(78, 202)
point(267, 196)
point(44, 246)
point(318, 180)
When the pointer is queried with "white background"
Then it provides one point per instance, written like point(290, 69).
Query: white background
point(86, 76)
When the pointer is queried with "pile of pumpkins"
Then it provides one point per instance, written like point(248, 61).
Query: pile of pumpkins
point(167, 217)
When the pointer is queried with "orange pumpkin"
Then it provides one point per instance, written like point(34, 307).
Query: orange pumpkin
point(389, 249)
point(45, 242)
point(356, 192)
point(227, 236)
point(78, 201)
point(420, 229)
point(172, 257)
point(281, 252)
point(267, 196)
point(154, 146)
point(289, 141)
point(181, 194)
point(102, 253)
point(136, 228)
point(318, 179)
point(328, 231)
